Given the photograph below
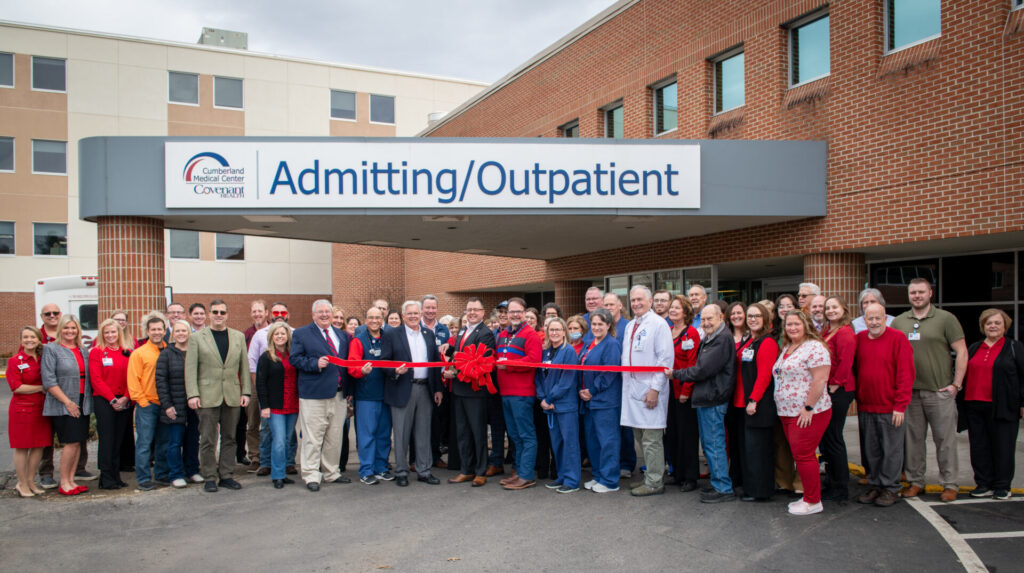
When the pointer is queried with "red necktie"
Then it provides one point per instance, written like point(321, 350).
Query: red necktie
point(464, 337)
point(334, 349)
point(635, 326)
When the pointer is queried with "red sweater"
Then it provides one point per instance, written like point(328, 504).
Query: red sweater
point(108, 380)
point(522, 345)
point(765, 359)
point(843, 346)
point(684, 358)
point(884, 367)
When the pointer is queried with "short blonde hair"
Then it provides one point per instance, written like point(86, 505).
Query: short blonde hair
point(271, 350)
point(64, 320)
point(122, 340)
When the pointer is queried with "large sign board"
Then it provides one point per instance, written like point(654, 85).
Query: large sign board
point(430, 175)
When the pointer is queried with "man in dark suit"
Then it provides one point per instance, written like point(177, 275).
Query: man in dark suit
point(322, 406)
point(409, 391)
point(470, 405)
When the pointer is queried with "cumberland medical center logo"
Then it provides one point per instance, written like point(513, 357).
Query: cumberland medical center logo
point(209, 173)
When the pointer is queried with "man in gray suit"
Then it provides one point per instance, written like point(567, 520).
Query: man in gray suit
point(217, 382)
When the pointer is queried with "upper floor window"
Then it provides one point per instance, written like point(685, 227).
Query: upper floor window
point(49, 156)
point(50, 239)
point(183, 88)
point(911, 21)
point(343, 105)
point(809, 50)
point(6, 70)
point(227, 92)
point(613, 122)
point(571, 129)
point(666, 108)
point(729, 78)
point(382, 109)
point(6, 237)
point(6, 154)
point(1018, 4)
point(230, 247)
point(48, 74)
point(183, 244)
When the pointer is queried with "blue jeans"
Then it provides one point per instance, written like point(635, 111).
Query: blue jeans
point(565, 441)
point(190, 443)
point(603, 443)
point(173, 434)
point(282, 431)
point(265, 442)
point(711, 421)
point(149, 444)
point(627, 449)
point(373, 436)
point(519, 425)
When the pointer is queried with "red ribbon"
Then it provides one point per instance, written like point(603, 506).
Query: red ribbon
point(476, 362)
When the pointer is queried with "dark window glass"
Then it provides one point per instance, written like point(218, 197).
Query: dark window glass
point(618, 285)
point(978, 278)
point(729, 91)
point(48, 74)
point(810, 51)
point(7, 70)
point(969, 315)
point(88, 315)
point(572, 130)
point(230, 247)
point(671, 281)
point(382, 109)
point(644, 279)
point(666, 108)
point(700, 276)
point(49, 156)
point(6, 237)
point(343, 105)
point(912, 21)
point(613, 122)
point(51, 239)
point(183, 88)
point(6, 154)
point(184, 244)
point(893, 278)
point(227, 92)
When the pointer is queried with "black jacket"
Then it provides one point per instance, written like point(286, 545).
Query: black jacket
point(714, 374)
point(170, 384)
point(481, 335)
point(1007, 383)
point(395, 346)
point(270, 382)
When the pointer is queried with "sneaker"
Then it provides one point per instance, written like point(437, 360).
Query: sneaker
point(626, 473)
point(554, 485)
point(590, 484)
point(179, 483)
point(196, 478)
point(85, 475)
point(162, 481)
point(386, 476)
point(369, 480)
point(803, 508)
point(981, 492)
point(47, 482)
point(210, 487)
point(601, 488)
point(147, 486)
point(717, 497)
point(567, 489)
point(1002, 494)
point(646, 490)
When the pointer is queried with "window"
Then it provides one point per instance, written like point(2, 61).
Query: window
point(809, 50)
point(50, 239)
point(48, 74)
point(227, 92)
point(49, 156)
point(382, 109)
point(911, 21)
point(613, 122)
point(6, 237)
point(6, 154)
point(1017, 4)
point(571, 129)
point(183, 88)
point(666, 107)
point(6, 70)
point(183, 244)
point(343, 105)
point(729, 92)
point(230, 247)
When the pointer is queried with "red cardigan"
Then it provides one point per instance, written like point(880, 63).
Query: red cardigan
point(843, 346)
point(108, 381)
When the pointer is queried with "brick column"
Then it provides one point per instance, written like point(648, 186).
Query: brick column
point(569, 295)
point(363, 273)
point(131, 267)
point(842, 274)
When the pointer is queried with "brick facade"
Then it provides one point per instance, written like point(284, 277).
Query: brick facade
point(131, 266)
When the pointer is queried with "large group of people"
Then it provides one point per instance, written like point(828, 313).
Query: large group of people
point(760, 388)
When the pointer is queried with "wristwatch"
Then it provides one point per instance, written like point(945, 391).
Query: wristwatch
point(808, 408)
point(113, 402)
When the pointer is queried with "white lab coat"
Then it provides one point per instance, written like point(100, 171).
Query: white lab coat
point(649, 345)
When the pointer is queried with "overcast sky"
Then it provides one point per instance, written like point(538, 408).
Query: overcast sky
point(469, 39)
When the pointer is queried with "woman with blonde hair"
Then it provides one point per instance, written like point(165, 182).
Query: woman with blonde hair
point(108, 374)
point(279, 398)
point(65, 375)
point(28, 429)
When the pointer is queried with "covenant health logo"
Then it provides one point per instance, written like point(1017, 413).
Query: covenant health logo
point(210, 174)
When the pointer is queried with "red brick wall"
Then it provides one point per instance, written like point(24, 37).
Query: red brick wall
point(131, 266)
point(300, 306)
point(17, 309)
point(839, 274)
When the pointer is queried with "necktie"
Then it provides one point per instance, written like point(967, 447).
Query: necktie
point(464, 337)
point(636, 325)
point(334, 349)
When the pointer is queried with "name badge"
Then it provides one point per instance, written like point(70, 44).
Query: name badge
point(375, 352)
point(686, 345)
point(439, 340)
point(639, 343)
point(22, 366)
point(914, 336)
point(748, 355)
point(108, 361)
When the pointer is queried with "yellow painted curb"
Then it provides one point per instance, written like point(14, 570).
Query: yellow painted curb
point(858, 471)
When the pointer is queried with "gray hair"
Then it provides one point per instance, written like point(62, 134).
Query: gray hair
point(409, 303)
point(815, 289)
point(703, 290)
point(870, 291)
point(598, 289)
point(427, 297)
point(322, 302)
point(641, 287)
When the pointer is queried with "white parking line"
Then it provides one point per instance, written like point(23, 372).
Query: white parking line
point(968, 558)
point(993, 535)
point(974, 500)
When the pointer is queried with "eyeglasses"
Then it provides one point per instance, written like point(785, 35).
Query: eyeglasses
point(279, 313)
point(52, 313)
point(471, 309)
point(754, 315)
point(219, 312)
point(516, 311)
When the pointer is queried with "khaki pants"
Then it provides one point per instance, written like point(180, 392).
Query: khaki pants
point(935, 410)
point(252, 430)
point(653, 446)
point(220, 420)
point(321, 422)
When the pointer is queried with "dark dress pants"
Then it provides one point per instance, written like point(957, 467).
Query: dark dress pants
point(471, 430)
point(546, 465)
point(833, 445)
point(735, 428)
point(685, 441)
point(993, 446)
point(111, 426)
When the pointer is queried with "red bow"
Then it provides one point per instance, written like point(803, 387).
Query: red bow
point(475, 364)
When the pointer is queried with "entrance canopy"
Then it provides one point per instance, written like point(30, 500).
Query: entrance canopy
point(486, 196)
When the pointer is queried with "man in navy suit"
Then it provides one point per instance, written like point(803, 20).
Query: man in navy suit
point(322, 406)
point(409, 391)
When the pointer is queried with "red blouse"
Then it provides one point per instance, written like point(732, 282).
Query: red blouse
point(842, 344)
point(23, 368)
point(291, 391)
point(979, 372)
point(685, 346)
point(108, 372)
point(81, 369)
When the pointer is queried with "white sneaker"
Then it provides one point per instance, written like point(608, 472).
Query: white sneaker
point(805, 508)
point(179, 483)
point(601, 488)
point(590, 484)
point(196, 478)
point(626, 473)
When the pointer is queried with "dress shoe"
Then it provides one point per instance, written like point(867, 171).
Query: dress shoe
point(342, 479)
point(17, 488)
point(313, 486)
point(688, 485)
point(428, 479)
point(494, 471)
point(948, 494)
point(242, 461)
point(147, 486)
point(210, 487)
point(461, 478)
point(886, 498)
point(291, 470)
point(441, 464)
point(646, 490)
point(479, 481)
point(72, 491)
point(912, 491)
point(263, 471)
point(869, 497)
point(862, 481)
point(402, 481)
point(717, 497)
point(509, 479)
point(278, 483)
point(229, 483)
point(287, 480)
point(253, 467)
point(520, 483)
